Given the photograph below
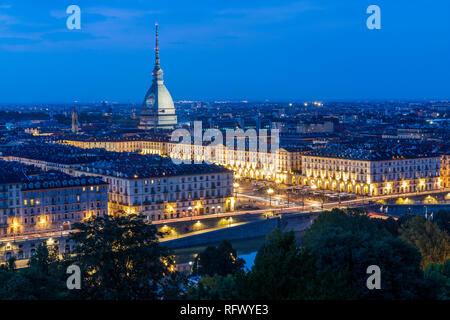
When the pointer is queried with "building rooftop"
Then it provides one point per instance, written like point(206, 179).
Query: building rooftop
point(55, 153)
point(117, 138)
point(148, 167)
point(375, 151)
point(33, 178)
point(118, 164)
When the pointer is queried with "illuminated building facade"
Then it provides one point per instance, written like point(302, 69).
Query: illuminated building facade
point(33, 201)
point(164, 191)
point(370, 177)
point(252, 164)
point(146, 184)
point(445, 170)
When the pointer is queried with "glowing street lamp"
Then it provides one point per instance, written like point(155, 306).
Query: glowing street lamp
point(235, 185)
point(270, 192)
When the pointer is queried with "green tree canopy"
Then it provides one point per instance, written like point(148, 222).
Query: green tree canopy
point(439, 274)
point(215, 287)
point(221, 260)
point(442, 219)
point(281, 270)
point(432, 242)
point(346, 244)
point(44, 279)
point(120, 258)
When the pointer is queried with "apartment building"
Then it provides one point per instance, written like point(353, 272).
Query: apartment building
point(370, 172)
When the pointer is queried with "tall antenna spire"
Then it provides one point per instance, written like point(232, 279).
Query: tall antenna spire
point(157, 64)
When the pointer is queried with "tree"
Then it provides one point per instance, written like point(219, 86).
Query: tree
point(44, 259)
point(215, 288)
point(120, 258)
point(281, 270)
point(221, 260)
point(44, 279)
point(174, 286)
point(341, 222)
point(442, 219)
point(439, 274)
point(346, 244)
point(11, 263)
point(432, 242)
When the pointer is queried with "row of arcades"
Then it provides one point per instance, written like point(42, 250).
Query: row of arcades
point(256, 174)
point(373, 189)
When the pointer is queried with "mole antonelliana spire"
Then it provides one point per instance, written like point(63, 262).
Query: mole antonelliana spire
point(158, 110)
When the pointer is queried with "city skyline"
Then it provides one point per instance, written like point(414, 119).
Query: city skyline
point(224, 52)
point(224, 156)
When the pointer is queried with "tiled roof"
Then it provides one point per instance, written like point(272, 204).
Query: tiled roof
point(33, 178)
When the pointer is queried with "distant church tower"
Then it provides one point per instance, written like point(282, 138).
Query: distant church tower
point(75, 124)
point(158, 111)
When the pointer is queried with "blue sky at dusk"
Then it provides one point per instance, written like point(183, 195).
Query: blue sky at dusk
point(279, 50)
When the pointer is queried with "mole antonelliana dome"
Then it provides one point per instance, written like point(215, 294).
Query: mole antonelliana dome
point(158, 111)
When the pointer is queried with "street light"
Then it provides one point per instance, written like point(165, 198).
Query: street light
point(270, 191)
point(15, 226)
point(235, 185)
point(230, 220)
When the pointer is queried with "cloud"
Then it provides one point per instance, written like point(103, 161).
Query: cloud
point(121, 13)
point(6, 19)
point(267, 14)
point(59, 14)
point(108, 12)
point(17, 41)
point(67, 35)
point(104, 26)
